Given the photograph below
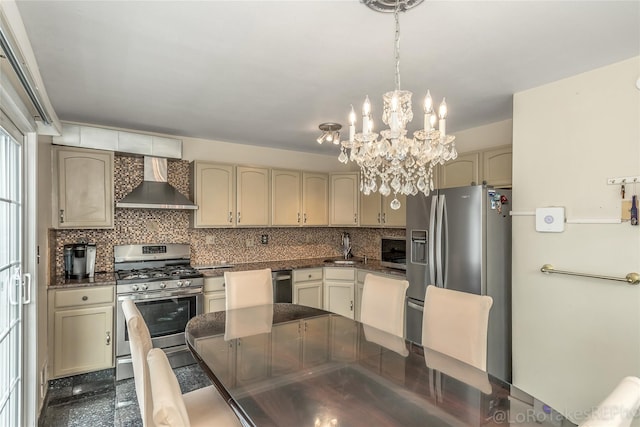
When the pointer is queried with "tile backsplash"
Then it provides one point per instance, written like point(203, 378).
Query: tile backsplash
point(208, 246)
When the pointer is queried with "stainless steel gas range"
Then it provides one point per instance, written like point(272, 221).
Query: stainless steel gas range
point(167, 291)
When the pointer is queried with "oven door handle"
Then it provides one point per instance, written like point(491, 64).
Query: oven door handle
point(159, 295)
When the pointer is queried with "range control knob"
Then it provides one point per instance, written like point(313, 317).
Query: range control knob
point(179, 284)
point(187, 282)
point(144, 287)
point(134, 288)
point(163, 285)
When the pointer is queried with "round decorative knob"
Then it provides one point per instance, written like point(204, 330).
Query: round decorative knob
point(134, 288)
point(144, 287)
point(163, 285)
point(187, 282)
point(179, 284)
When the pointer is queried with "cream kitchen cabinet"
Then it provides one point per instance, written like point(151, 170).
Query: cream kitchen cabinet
point(84, 188)
point(290, 348)
point(496, 166)
point(339, 290)
point(286, 198)
point(315, 199)
point(463, 171)
point(376, 211)
point(229, 196)
point(252, 196)
point(213, 191)
point(343, 201)
point(81, 329)
point(307, 287)
point(215, 298)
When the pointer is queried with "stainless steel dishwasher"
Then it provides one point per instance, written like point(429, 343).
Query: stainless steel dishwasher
point(282, 286)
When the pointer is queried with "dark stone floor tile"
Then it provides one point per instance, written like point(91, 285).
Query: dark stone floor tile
point(93, 412)
point(191, 378)
point(90, 377)
point(61, 383)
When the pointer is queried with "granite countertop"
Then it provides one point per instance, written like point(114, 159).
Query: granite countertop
point(293, 264)
point(108, 278)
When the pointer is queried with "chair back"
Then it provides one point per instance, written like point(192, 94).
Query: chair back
point(619, 408)
point(140, 344)
point(169, 409)
point(383, 303)
point(248, 288)
point(456, 323)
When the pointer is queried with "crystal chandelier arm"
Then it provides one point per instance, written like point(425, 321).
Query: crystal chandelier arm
point(396, 15)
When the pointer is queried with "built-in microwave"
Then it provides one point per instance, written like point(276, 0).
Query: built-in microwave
point(393, 252)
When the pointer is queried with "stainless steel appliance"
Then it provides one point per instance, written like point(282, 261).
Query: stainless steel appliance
point(282, 286)
point(167, 291)
point(393, 252)
point(460, 238)
point(79, 260)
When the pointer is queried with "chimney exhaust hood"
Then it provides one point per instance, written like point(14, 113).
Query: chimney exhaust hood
point(155, 192)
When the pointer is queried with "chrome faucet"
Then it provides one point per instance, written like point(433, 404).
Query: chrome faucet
point(346, 245)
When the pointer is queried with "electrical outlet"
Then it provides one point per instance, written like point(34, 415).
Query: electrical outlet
point(210, 240)
point(249, 243)
point(307, 238)
point(264, 239)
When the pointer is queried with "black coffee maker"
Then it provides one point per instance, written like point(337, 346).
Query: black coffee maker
point(79, 260)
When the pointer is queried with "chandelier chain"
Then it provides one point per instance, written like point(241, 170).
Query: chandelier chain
point(396, 15)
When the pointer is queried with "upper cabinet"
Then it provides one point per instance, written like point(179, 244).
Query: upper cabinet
point(497, 166)
point(84, 188)
point(252, 196)
point(344, 195)
point(213, 187)
point(286, 198)
point(491, 167)
point(229, 196)
point(315, 199)
point(375, 211)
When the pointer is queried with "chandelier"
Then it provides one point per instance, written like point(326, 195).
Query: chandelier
point(396, 162)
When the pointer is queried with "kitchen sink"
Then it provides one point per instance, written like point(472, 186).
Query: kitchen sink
point(340, 261)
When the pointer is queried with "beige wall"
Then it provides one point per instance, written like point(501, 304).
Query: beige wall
point(483, 137)
point(575, 338)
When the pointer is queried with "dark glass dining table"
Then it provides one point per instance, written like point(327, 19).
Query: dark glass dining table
point(291, 365)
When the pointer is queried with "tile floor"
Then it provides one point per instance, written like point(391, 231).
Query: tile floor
point(97, 400)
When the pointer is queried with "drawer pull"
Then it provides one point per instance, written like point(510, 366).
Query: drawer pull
point(84, 298)
point(108, 338)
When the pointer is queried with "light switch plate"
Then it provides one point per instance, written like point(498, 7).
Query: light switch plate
point(550, 220)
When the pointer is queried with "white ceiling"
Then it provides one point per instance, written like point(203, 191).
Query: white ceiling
point(268, 72)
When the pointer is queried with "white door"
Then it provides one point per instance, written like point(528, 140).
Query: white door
point(11, 280)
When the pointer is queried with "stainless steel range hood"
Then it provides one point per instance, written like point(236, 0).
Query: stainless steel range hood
point(155, 192)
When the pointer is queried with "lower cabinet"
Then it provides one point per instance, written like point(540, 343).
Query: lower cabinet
point(215, 297)
point(339, 284)
point(307, 287)
point(81, 334)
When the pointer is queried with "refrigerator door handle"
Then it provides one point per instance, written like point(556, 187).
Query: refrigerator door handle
point(444, 261)
point(439, 241)
point(431, 238)
point(415, 306)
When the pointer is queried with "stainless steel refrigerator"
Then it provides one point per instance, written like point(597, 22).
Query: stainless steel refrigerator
point(460, 238)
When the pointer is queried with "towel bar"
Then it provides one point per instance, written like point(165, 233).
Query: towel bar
point(631, 278)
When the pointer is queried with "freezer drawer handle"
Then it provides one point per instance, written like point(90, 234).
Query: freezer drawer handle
point(415, 306)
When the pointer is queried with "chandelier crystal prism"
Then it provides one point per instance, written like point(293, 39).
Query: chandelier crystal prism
point(392, 161)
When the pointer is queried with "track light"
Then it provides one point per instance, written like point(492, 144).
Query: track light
point(330, 133)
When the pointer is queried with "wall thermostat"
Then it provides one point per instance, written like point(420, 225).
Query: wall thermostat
point(550, 220)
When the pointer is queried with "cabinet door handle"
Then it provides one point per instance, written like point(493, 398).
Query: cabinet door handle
point(84, 298)
point(304, 218)
point(384, 218)
point(108, 338)
point(230, 216)
point(238, 217)
point(355, 218)
point(298, 217)
point(61, 216)
point(378, 217)
point(351, 307)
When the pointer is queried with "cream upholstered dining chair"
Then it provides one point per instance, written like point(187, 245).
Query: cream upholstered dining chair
point(206, 401)
point(383, 303)
point(619, 408)
point(248, 288)
point(456, 323)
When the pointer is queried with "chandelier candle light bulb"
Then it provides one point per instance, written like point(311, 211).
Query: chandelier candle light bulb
point(392, 160)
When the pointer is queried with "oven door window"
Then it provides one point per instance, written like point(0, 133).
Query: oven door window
point(166, 316)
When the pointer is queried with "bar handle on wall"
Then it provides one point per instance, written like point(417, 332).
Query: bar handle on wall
point(631, 278)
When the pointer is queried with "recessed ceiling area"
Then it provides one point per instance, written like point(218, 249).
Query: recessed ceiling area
point(267, 73)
